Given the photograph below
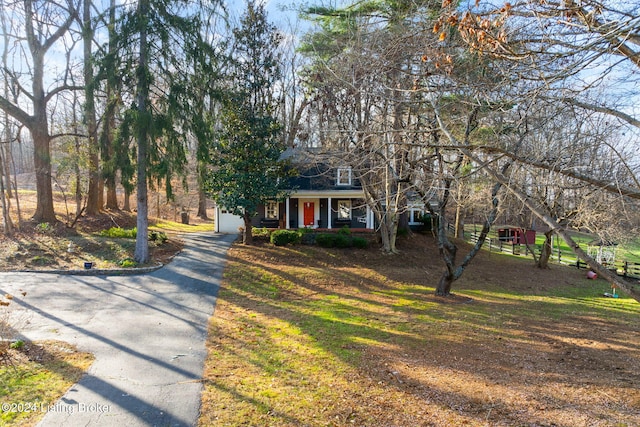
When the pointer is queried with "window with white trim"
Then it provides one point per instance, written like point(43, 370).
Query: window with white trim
point(344, 176)
point(344, 209)
point(271, 210)
point(416, 216)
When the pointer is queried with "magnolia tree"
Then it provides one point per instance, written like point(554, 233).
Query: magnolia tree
point(244, 156)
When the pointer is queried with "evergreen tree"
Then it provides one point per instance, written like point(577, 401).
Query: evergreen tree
point(154, 45)
point(245, 168)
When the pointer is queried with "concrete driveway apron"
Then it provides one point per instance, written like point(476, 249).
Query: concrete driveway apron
point(147, 333)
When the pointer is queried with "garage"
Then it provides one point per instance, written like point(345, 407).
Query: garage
point(226, 222)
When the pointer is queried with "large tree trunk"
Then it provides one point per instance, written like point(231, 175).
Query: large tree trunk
point(543, 261)
point(42, 146)
point(448, 252)
point(5, 199)
point(247, 234)
point(109, 126)
point(40, 37)
point(202, 204)
point(93, 191)
point(112, 196)
point(126, 206)
point(78, 184)
point(42, 162)
point(444, 285)
point(142, 216)
point(386, 217)
point(142, 240)
point(202, 195)
point(388, 234)
point(94, 187)
point(39, 127)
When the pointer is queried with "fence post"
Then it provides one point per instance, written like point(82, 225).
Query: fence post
point(626, 269)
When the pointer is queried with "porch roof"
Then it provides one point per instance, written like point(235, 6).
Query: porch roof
point(336, 194)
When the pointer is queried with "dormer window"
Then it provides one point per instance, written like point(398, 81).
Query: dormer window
point(344, 176)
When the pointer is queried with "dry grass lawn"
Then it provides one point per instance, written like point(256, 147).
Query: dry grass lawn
point(46, 246)
point(304, 336)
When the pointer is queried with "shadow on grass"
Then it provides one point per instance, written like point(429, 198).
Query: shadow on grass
point(512, 356)
point(55, 363)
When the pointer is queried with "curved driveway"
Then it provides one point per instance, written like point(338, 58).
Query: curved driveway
point(146, 331)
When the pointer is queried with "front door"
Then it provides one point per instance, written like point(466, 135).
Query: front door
point(309, 212)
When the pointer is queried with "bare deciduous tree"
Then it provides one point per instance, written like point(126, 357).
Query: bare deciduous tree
point(45, 26)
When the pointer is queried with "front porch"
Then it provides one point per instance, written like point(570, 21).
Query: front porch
point(317, 213)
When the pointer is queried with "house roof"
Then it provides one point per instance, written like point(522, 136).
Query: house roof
point(315, 171)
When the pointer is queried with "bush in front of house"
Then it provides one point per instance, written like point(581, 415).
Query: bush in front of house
point(326, 240)
point(307, 236)
point(284, 237)
point(403, 232)
point(342, 240)
point(359, 242)
point(345, 231)
point(261, 234)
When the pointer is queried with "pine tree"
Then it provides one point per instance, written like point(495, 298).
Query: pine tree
point(154, 46)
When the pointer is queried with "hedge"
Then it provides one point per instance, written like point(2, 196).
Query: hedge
point(284, 237)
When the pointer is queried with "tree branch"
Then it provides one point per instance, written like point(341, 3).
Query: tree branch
point(62, 88)
point(556, 227)
point(602, 109)
point(16, 112)
point(604, 185)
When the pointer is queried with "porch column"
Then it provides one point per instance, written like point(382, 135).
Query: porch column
point(329, 212)
point(286, 213)
point(369, 222)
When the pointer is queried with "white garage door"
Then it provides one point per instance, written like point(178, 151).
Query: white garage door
point(227, 222)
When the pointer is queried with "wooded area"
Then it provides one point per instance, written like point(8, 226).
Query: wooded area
point(524, 112)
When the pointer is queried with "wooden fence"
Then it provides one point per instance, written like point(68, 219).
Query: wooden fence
point(621, 267)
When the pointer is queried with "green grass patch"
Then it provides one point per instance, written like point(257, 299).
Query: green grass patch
point(627, 251)
point(119, 233)
point(178, 227)
point(30, 384)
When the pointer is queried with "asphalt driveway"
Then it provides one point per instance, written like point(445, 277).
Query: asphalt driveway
point(147, 333)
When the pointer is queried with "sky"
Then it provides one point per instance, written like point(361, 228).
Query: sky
point(280, 12)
